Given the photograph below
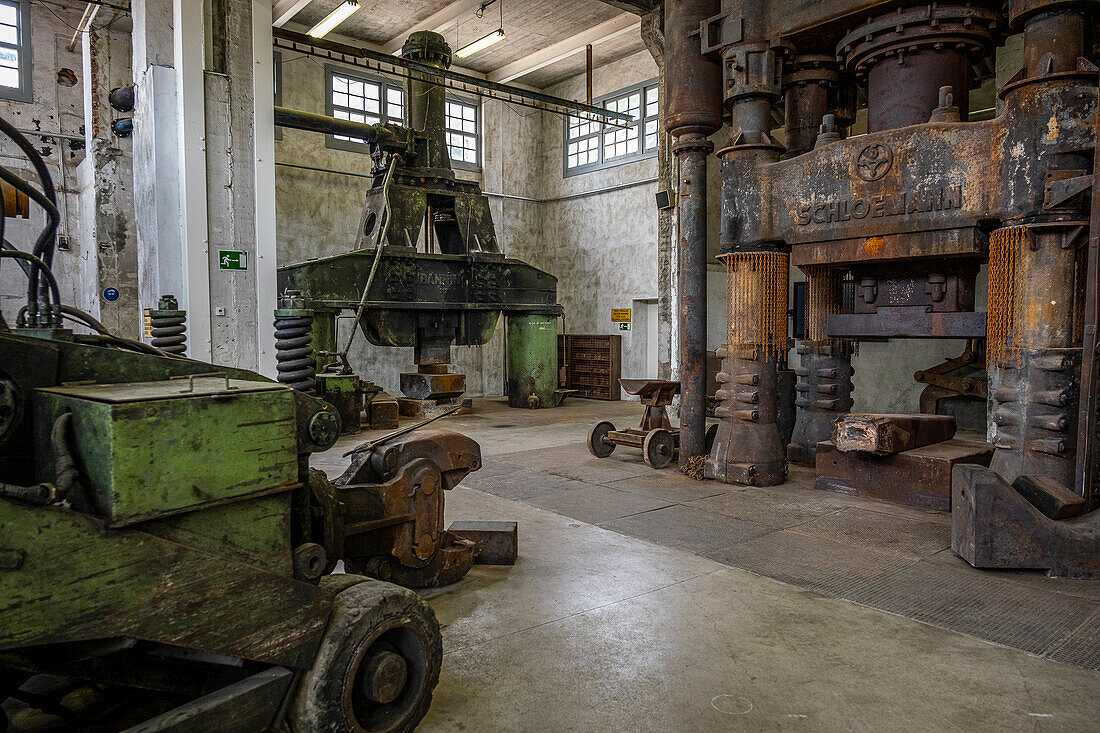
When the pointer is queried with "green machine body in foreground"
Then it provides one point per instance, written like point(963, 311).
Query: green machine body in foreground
point(165, 550)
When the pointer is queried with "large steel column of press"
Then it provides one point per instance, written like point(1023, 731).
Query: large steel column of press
point(747, 448)
point(1035, 381)
point(693, 110)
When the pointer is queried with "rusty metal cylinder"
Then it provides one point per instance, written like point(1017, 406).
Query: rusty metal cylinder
point(903, 94)
point(693, 87)
point(807, 81)
point(1053, 41)
point(1044, 291)
point(692, 152)
point(427, 102)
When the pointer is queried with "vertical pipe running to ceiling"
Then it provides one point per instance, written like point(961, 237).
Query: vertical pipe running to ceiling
point(693, 110)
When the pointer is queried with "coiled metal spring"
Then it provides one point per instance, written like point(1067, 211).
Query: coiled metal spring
point(169, 332)
point(294, 352)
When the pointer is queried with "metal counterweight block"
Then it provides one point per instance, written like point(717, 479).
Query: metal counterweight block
point(994, 526)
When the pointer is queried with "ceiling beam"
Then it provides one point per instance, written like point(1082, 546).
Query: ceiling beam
point(437, 21)
point(617, 26)
point(284, 10)
point(638, 7)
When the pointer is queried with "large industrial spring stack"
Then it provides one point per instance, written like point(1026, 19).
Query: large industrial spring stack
point(825, 369)
point(294, 344)
point(748, 448)
point(168, 326)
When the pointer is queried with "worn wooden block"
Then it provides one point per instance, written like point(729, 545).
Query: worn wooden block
point(383, 412)
point(497, 542)
point(885, 435)
point(920, 477)
point(1050, 497)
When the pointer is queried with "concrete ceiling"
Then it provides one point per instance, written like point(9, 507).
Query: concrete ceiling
point(544, 41)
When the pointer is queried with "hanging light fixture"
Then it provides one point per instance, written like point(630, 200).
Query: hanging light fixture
point(480, 44)
point(487, 40)
point(335, 18)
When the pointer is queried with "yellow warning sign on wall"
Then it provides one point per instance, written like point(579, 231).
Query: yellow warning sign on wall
point(620, 315)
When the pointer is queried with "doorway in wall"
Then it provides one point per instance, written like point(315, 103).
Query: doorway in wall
point(645, 330)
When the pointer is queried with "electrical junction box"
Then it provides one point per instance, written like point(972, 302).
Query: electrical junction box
point(153, 449)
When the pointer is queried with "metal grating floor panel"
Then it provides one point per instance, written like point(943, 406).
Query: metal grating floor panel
point(971, 602)
point(820, 565)
point(686, 528)
point(1082, 647)
point(769, 507)
point(881, 532)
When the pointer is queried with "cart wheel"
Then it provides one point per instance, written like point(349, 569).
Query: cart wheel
point(658, 448)
point(712, 433)
point(377, 664)
point(596, 444)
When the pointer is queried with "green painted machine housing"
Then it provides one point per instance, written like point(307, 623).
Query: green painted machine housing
point(532, 359)
point(154, 449)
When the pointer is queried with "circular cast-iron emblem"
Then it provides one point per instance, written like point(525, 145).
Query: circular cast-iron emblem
point(874, 161)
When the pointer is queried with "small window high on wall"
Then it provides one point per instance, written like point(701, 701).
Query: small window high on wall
point(589, 146)
point(361, 98)
point(461, 126)
point(15, 50)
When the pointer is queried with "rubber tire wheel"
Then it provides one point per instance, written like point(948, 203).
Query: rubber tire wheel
point(708, 439)
point(658, 449)
point(596, 445)
point(365, 613)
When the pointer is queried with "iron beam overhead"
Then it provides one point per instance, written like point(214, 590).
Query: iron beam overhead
point(387, 64)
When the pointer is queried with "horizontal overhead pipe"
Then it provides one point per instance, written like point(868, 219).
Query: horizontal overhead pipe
point(299, 120)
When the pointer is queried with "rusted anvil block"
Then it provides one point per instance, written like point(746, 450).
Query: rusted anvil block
point(886, 435)
point(497, 542)
point(1050, 497)
point(421, 386)
point(994, 526)
point(383, 412)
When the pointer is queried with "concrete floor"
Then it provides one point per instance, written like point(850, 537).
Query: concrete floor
point(649, 622)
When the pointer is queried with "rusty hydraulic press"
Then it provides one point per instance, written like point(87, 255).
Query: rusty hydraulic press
point(905, 215)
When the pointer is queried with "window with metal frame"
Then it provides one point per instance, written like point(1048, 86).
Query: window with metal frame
point(361, 98)
point(15, 50)
point(462, 128)
point(589, 146)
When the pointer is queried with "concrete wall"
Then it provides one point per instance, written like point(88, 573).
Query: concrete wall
point(57, 106)
point(602, 247)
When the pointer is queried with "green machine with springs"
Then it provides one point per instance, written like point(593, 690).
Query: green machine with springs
point(167, 552)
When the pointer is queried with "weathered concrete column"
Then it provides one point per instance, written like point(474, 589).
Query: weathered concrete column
point(240, 194)
point(107, 202)
point(156, 153)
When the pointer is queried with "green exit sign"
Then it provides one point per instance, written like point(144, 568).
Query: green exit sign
point(232, 259)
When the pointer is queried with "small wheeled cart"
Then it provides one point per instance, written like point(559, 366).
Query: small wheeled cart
point(656, 437)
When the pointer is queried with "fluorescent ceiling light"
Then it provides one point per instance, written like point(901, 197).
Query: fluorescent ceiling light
point(333, 19)
point(480, 44)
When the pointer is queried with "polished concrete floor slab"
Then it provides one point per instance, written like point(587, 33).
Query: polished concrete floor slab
point(644, 600)
point(592, 630)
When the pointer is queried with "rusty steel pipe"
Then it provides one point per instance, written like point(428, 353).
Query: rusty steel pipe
point(311, 122)
point(804, 106)
point(693, 96)
point(692, 151)
point(693, 110)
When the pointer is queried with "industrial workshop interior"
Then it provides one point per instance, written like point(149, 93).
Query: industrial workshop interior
point(549, 365)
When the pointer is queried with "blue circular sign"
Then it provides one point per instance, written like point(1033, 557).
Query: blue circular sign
point(110, 294)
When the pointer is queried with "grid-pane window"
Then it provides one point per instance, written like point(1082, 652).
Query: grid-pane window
point(592, 145)
point(15, 50)
point(460, 124)
point(582, 145)
point(361, 99)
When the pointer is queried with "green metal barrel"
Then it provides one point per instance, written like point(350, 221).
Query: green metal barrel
point(532, 359)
